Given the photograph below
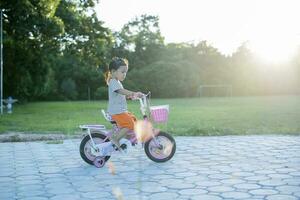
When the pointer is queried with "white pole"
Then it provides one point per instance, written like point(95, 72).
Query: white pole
point(1, 95)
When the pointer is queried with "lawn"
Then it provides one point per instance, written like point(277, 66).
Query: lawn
point(191, 116)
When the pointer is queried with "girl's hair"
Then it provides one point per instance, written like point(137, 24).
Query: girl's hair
point(114, 65)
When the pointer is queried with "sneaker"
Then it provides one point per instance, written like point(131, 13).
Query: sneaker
point(123, 146)
point(115, 142)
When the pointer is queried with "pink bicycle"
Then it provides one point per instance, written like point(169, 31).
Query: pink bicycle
point(96, 148)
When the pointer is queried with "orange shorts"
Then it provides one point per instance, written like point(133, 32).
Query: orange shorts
point(125, 120)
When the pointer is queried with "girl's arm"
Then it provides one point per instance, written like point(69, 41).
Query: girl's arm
point(129, 93)
point(125, 92)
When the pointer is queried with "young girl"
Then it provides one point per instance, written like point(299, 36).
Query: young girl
point(117, 105)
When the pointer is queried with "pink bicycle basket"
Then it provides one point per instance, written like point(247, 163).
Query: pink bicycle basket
point(160, 114)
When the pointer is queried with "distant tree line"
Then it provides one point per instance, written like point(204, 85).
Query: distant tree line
point(59, 50)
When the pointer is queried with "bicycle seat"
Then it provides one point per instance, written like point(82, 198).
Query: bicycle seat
point(108, 117)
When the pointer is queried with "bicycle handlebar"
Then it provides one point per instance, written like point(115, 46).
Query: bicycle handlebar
point(143, 103)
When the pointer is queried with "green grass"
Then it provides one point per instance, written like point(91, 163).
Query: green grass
point(192, 116)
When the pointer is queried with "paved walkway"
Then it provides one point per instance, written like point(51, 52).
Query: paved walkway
point(229, 167)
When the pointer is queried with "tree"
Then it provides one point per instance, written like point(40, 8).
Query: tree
point(243, 74)
point(49, 41)
point(28, 31)
point(86, 45)
point(140, 41)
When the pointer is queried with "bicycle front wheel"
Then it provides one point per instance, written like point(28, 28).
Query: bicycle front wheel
point(161, 148)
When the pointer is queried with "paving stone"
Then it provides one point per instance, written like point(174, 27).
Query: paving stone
point(220, 176)
point(279, 176)
point(185, 174)
point(164, 196)
point(34, 198)
point(272, 182)
point(256, 178)
point(6, 179)
point(295, 173)
point(232, 181)
point(88, 188)
point(57, 185)
point(265, 171)
point(151, 187)
point(66, 197)
point(281, 197)
point(7, 172)
point(96, 195)
point(297, 194)
point(180, 186)
point(227, 167)
point(223, 168)
point(162, 177)
point(288, 189)
point(56, 180)
point(286, 170)
point(263, 192)
point(236, 195)
point(192, 192)
point(206, 197)
point(127, 192)
point(134, 197)
point(30, 193)
point(29, 187)
point(243, 174)
point(208, 183)
point(220, 189)
point(7, 195)
point(28, 177)
point(292, 181)
point(247, 186)
point(58, 191)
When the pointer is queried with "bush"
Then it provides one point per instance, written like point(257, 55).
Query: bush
point(166, 79)
point(68, 87)
point(102, 93)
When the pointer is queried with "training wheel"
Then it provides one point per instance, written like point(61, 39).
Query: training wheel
point(99, 161)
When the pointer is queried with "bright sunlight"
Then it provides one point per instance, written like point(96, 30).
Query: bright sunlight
point(273, 50)
point(271, 27)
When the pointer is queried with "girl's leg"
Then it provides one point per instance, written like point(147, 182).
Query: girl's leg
point(117, 137)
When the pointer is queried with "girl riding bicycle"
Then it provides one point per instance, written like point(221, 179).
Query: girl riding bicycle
point(117, 105)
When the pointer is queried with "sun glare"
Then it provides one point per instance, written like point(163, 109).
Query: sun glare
point(273, 49)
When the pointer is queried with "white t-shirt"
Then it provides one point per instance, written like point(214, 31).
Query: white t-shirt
point(116, 102)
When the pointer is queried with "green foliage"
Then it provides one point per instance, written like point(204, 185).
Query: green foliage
point(68, 88)
point(101, 93)
point(46, 42)
point(166, 79)
point(140, 41)
point(53, 50)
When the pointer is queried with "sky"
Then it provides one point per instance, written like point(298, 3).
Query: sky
point(271, 26)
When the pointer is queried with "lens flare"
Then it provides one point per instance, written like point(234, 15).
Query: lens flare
point(111, 168)
point(118, 193)
point(143, 130)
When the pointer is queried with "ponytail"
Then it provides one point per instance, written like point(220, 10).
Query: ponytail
point(107, 76)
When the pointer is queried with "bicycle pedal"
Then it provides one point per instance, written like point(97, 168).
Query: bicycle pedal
point(123, 146)
point(115, 147)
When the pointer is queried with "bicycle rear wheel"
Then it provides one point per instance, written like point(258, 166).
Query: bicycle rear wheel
point(86, 148)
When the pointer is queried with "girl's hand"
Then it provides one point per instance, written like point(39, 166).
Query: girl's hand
point(136, 95)
point(139, 94)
